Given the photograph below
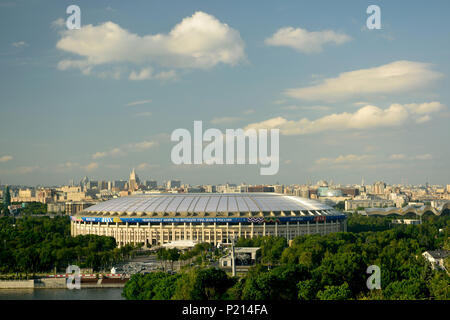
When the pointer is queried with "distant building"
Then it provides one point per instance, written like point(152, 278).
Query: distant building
point(350, 191)
point(58, 207)
point(406, 221)
point(133, 182)
point(151, 184)
point(75, 196)
point(328, 192)
point(261, 189)
point(436, 258)
point(171, 184)
point(303, 192)
point(244, 256)
point(378, 187)
point(78, 206)
point(210, 188)
point(119, 184)
point(194, 189)
point(351, 205)
point(278, 188)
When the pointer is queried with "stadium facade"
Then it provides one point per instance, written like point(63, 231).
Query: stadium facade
point(206, 217)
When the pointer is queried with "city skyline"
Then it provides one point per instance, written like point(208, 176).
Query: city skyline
point(349, 102)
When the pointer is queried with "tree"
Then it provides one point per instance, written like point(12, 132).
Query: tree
point(172, 255)
point(340, 205)
point(439, 286)
point(7, 197)
point(279, 283)
point(152, 286)
point(408, 289)
point(307, 289)
point(341, 292)
point(203, 284)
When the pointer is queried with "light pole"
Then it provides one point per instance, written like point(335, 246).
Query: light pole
point(233, 258)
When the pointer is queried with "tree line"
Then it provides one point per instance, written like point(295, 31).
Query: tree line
point(41, 244)
point(315, 267)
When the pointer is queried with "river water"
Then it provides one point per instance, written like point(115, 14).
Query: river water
point(62, 294)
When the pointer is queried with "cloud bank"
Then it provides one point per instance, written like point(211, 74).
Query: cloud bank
point(199, 41)
point(395, 77)
point(305, 41)
point(367, 117)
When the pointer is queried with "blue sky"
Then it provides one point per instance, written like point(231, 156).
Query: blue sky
point(62, 121)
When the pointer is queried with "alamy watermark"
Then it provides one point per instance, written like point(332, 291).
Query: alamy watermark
point(74, 20)
point(374, 281)
point(213, 152)
point(74, 276)
point(374, 20)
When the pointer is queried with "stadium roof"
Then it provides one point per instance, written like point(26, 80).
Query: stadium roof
point(208, 204)
point(409, 209)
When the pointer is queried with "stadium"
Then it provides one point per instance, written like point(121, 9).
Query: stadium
point(157, 219)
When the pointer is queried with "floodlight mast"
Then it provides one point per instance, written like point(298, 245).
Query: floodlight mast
point(233, 258)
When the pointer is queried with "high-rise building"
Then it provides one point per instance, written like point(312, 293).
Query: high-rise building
point(278, 188)
point(378, 187)
point(151, 184)
point(173, 184)
point(119, 184)
point(133, 183)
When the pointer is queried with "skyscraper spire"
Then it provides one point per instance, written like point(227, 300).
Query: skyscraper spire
point(133, 183)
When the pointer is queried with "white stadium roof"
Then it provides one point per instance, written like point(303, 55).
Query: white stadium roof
point(204, 203)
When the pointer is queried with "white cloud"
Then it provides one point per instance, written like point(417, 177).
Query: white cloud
point(20, 44)
point(424, 108)
point(395, 77)
point(147, 73)
point(69, 165)
point(305, 41)
point(146, 166)
point(25, 170)
point(365, 118)
point(360, 103)
point(315, 108)
point(398, 156)
point(344, 159)
point(99, 155)
point(141, 146)
point(403, 157)
point(6, 158)
point(198, 41)
point(144, 74)
point(19, 170)
point(113, 74)
point(136, 103)
point(58, 24)
point(123, 150)
point(91, 166)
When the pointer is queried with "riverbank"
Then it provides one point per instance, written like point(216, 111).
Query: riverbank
point(62, 294)
point(60, 283)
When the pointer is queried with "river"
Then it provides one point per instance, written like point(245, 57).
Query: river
point(62, 294)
